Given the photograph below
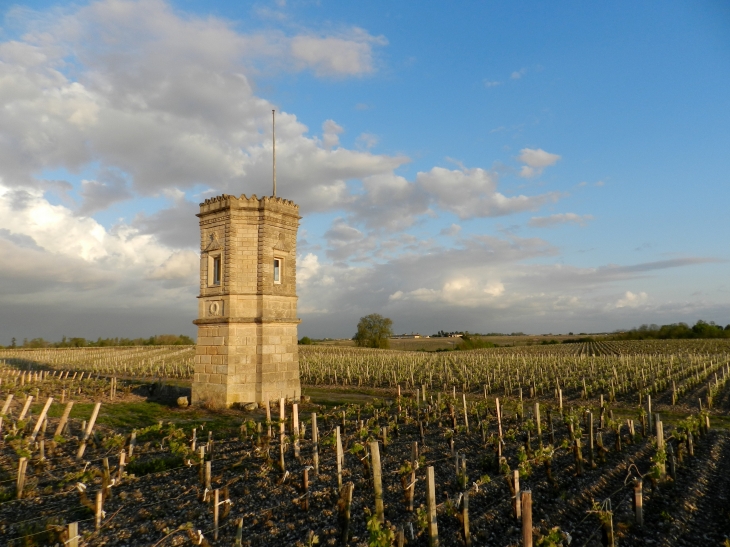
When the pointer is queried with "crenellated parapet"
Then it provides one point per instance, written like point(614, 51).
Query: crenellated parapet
point(226, 201)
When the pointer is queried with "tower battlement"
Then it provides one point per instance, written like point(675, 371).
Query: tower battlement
point(228, 201)
point(247, 326)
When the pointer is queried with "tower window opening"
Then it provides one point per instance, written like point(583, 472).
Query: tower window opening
point(216, 270)
point(277, 270)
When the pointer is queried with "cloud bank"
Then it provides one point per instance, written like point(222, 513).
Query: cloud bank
point(120, 116)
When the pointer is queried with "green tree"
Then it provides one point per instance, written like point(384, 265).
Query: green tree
point(374, 331)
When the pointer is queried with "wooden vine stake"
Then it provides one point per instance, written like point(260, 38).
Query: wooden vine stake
point(87, 433)
point(120, 470)
point(6, 406)
point(42, 417)
point(433, 533)
point(499, 417)
point(516, 503)
point(578, 457)
point(638, 502)
point(106, 482)
point(660, 445)
point(132, 443)
point(344, 506)
point(295, 427)
point(526, 502)
point(591, 461)
point(26, 406)
point(465, 518)
point(560, 401)
point(315, 443)
point(377, 479)
point(466, 413)
point(98, 509)
point(338, 456)
point(414, 463)
point(20, 481)
point(268, 418)
point(648, 412)
point(537, 423)
point(305, 488)
point(216, 507)
point(282, 435)
point(239, 533)
point(73, 535)
point(690, 444)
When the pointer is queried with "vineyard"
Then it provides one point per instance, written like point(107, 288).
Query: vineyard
point(595, 443)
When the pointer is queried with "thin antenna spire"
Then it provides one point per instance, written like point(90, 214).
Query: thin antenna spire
point(273, 140)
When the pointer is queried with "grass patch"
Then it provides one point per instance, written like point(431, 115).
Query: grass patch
point(137, 415)
point(139, 468)
point(337, 397)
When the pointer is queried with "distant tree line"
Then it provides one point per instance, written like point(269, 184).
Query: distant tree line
point(159, 340)
point(446, 334)
point(701, 329)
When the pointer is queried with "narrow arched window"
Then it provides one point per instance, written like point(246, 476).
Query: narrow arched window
point(278, 266)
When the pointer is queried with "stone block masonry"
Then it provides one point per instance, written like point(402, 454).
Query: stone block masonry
point(247, 309)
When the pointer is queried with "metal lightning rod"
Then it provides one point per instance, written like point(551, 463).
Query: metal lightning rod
point(273, 139)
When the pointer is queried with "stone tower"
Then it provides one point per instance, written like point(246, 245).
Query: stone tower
point(247, 308)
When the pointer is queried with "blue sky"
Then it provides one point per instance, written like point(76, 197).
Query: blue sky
point(501, 166)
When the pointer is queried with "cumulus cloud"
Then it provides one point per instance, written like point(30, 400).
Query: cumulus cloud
point(307, 268)
point(560, 218)
point(172, 226)
point(535, 161)
point(158, 103)
point(389, 201)
point(470, 193)
point(98, 195)
point(330, 134)
point(347, 242)
point(632, 300)
point(62, 259)
point(180, 265)
point(166, 101)
point(365, 141)
point(347, 55)
point(459, 291)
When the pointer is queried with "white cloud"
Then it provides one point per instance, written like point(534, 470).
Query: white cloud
point(491, 83)
point(99, 194)
point(330, 134)
point(470, 193)
point(460, 291)
point(165, 100)
point(156, 102)
point(365, 141)
point(307, 268)
point(349, 55)
point(560, 218)
point(517, 74)
point(183, 265)
point(632, 300)
point(536, 161)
